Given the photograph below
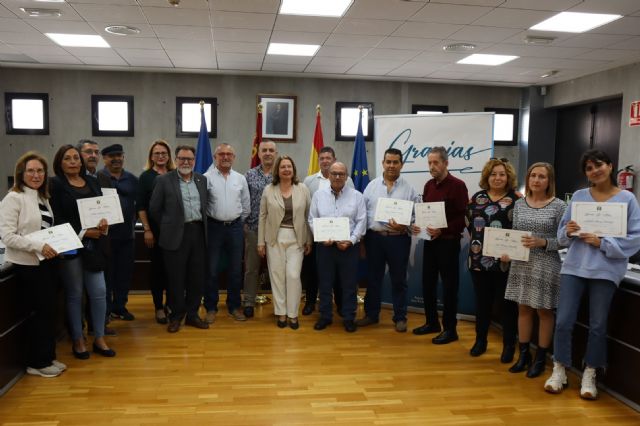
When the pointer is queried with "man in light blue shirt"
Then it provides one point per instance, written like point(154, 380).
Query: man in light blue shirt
point(387, 243)
point(339, 258)
point(228, 206)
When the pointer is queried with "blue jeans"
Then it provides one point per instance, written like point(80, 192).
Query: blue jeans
point(75, 278)
point(229, 238)
point(394, 251)
point(600, 295)
point(333, 263)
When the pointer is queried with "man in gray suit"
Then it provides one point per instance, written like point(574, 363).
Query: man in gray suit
point(178, 203)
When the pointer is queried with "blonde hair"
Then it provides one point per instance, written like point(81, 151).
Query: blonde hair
point(165, 144)
point(551, 175)
point(512, 180)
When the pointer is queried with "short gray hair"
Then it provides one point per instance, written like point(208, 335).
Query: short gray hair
point(441, 151)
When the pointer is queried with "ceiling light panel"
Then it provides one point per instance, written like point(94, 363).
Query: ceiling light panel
point(331, 8)
point(575, 22)
point(485, 59)
point(36, 12)
point(292, 49)
point(78, 40)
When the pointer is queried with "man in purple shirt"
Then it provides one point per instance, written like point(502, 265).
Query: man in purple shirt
point(440, 256)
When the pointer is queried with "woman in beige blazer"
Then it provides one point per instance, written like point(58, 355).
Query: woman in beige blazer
point(285, 238)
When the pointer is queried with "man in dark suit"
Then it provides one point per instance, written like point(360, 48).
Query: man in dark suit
point(178, 203)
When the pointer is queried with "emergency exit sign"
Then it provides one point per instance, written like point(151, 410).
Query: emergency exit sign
point(634, 116)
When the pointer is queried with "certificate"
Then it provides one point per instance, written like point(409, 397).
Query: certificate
point(109, 191)
point(390, 208)
point(331, 228)
point(93, 209)
point(498, 241)
point(602, 219)
point(61, 238)
point(431, 214)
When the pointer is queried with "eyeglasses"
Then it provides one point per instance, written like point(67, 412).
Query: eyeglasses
point(504, 160)
point(32, 172)
point(91, 151)
point(186, 159)
point(160, 154)
point(338, 174)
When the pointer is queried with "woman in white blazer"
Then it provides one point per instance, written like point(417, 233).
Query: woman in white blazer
point(24, 210)
point(285, 238)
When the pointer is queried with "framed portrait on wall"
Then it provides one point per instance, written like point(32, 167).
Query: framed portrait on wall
point(278, 117)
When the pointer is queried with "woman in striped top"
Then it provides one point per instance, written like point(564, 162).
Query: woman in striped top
point(24, 210)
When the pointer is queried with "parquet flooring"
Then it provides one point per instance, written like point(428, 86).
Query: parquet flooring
point(254, 373)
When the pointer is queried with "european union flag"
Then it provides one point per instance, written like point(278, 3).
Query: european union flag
point(359, 169)
point(204, 159)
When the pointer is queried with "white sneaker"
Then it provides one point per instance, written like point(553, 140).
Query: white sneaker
point(558, 380)
point(588, 389)
point(49, 371)
point(60, 366)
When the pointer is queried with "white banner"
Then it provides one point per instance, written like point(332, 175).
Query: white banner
point(468, 138)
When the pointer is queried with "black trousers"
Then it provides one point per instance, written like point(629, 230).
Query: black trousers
point(309, 277)
point(440, 258)
point(489, 288)
point(40, 287)
point(157, 277)
point(185, 268)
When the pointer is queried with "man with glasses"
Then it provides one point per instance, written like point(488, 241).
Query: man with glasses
point(90, 150)
point(179, 204)
point(339, 259)
point(227, 208)
point(257, 179)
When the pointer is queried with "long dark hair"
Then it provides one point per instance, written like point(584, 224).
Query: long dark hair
point(57, 160)
point(598, 157)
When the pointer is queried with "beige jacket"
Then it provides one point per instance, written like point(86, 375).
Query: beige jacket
point(19, 216)
point(272, 212)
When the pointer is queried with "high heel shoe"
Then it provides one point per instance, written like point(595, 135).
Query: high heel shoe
point(524, 359)
point(109, 353)
point(539, 363)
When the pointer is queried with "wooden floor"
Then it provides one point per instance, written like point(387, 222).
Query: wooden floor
point(254, 373)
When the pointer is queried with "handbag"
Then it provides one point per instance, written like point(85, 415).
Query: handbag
point(95, 253)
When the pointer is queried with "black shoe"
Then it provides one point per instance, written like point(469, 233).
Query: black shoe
point(109, 353)
point(427, 329)
point(524, 359)
point(123, 315)
point(539, 363)
point(508, 350)
point(281, 323)
point(173, 326)
point(479, 347)
point(308, 308)
point(196, 322)
point(445, 337)
point(321, 324)
point(350, 326)
point(81, 355)
point(293, 323)
point(248, 311)
point(161, 316)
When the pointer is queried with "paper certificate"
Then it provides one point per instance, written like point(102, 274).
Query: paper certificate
point(431, 214)
point(498, 241)
point(109, 191)
point(331, 228)
point(96, 208)
point(61, 238)
point(390, 208)
point(602, 219)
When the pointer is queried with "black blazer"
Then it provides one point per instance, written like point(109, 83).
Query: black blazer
point(166, 208)
point(63, 199)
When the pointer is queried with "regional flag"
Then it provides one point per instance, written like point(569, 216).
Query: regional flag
point(257, 138)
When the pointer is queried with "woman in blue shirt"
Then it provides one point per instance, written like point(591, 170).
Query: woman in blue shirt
point(593, 264)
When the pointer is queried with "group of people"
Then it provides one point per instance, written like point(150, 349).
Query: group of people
point(191, 219)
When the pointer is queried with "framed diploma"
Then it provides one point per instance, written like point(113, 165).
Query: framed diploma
point(602, 219)
point(331, 228)
point(498, 241)
point(92, 210)
point(390, 208)
point(61, 238)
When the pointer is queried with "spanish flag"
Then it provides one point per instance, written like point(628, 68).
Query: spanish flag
point(316, 147)
point(257, 138)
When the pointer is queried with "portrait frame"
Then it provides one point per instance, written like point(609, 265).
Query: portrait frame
point(279, 117)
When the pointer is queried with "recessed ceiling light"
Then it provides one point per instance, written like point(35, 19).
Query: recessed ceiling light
point(459, 47)
point(538, 40)
point(50, 1)
point(35, 12)
point(78, 40)
point(292, 49)
point(549, 74)
point(574, 22)
point(333, 8)
point(485, 59)
point(122, 30)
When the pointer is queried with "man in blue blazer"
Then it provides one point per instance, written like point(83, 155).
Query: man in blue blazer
point(178, 203)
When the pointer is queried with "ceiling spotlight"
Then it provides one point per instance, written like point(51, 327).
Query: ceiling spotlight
point(459, 47)
point(122, 30)
point(35, 12)
point(538, 40)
